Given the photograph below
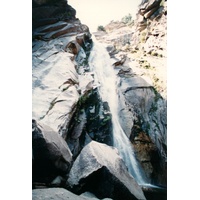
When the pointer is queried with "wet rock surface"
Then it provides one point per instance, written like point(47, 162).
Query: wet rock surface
point(155, 193)
point(144, 109)
point(91, 121)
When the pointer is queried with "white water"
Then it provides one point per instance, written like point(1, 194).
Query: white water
point(105, 75)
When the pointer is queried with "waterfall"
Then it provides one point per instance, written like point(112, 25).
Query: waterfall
point(105, 76)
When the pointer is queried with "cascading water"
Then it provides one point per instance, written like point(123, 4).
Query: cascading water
point(105, 75)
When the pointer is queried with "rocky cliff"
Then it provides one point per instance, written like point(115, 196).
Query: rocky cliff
point(70, 118)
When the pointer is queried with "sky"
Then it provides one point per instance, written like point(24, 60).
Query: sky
point(100, 12)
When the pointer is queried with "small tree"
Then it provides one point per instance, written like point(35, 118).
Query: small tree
point(100, 28)
point(127, 19)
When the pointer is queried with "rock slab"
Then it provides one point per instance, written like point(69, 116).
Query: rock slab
point(55, 194)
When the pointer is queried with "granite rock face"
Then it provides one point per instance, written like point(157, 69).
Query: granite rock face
point(55, 87)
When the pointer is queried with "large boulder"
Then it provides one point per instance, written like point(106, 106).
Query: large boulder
point(51, 155)
point(99, 169)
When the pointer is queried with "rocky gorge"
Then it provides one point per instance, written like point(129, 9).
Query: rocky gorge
point(99, 127)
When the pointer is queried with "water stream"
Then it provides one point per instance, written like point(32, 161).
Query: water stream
point(105, 76)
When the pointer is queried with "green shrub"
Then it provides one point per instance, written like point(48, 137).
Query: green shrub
point(127, 19)
point(100, 28)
